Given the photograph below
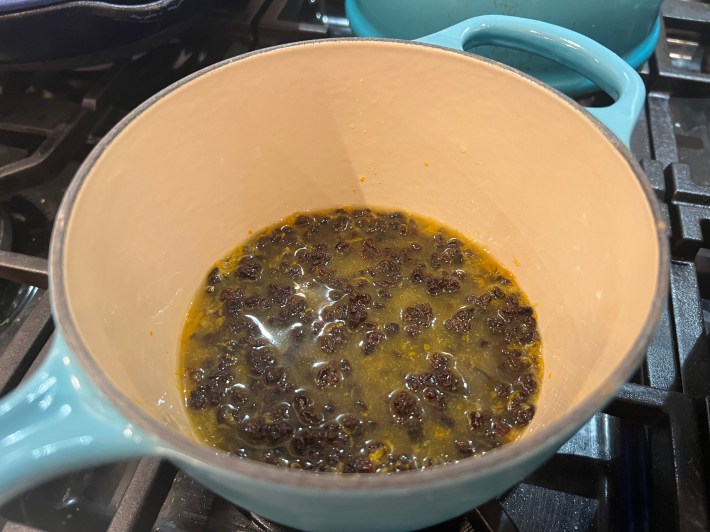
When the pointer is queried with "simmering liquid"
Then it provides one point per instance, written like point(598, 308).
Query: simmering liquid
point(357, 340)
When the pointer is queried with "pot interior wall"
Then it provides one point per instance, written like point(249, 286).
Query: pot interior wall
point(463, 141)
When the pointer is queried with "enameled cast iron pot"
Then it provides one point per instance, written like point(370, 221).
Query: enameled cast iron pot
point(536, 179)
point(630, 28)
point(40, 34)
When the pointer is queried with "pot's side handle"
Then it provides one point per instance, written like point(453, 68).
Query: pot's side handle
point(57, 421)
point(573, 50)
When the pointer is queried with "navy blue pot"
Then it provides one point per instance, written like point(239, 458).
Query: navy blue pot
point(39, 33)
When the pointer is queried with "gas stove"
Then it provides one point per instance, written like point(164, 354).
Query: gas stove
point(641, 464)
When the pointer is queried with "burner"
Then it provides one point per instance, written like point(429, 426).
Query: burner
point(89, 33)
point(23, 229)
point(5, 230)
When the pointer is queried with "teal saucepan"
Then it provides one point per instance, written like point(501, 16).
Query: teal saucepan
point(542, 183)
point(630, 28)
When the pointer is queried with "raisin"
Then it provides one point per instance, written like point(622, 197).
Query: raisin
point(301, 401)
point(447, 380)
point(361, 464)
point(464, 447)
point(264, 242)
point(503, 389)
point(249, 268)
point(327, 375)
point(529, 382)
point(412, 330)
point(239, 397)
point(461, 322)
point(436, 397)
point(277, 431)
point(253, 301)
point(214, 276)
point(298, 333)
point(303, 221)
point(342, 247)
point(196, 375)
point(310, 416)
point(481, 301)
point(340, 223)
point(388, 271)
point(351, 423)
point(439, 362)
point(335, 294)
point(273, 375)
point(260, 359)
point(333, 338)
point(461, 275)
point(370, 249)
point(280, 412)
point(313, 454)
point(356, 315)
point(497, 429)
point(345, 366)
point(318, 257)
point(413, 382)
point(370, 341)
point(418, 274)
point(442, 285)
point(479, 421)
point(232, 301)
point(279, 294)
point(360, 298)
point(197, 400)
point(284, 236)
point(420, 315)
point(405, 404)
point(451, 254)
point(391, 329)
point(332, 458)
point(298, 445)
point(497, 293)
point(523, 415)
point(252, 429)
point(513, 361)
point(293, 309)
point(495, 325)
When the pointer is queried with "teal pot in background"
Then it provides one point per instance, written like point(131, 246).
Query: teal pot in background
point(630, 28)
point(541, 182)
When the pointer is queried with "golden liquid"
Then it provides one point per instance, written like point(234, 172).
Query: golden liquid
point(244, 369)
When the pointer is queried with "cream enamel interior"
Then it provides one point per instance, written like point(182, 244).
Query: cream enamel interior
point(478, 147)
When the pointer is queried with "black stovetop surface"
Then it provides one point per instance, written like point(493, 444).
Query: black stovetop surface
point(641, 464)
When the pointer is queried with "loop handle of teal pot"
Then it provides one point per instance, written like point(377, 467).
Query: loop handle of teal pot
point(57, 421)
point(573, 50)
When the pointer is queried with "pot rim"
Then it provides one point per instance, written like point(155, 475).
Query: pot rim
point(182, 447)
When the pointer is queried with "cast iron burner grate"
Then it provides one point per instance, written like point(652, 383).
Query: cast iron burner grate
point(640, 464)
